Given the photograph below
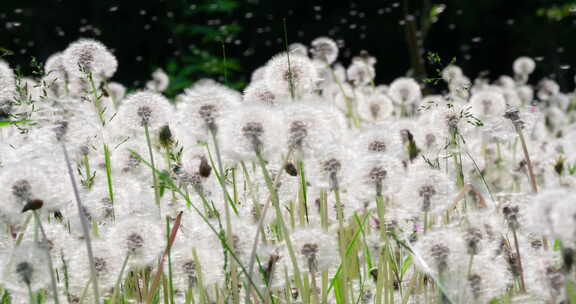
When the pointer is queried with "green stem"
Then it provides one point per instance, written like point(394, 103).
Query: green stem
point(154, 177)
point(48, 256)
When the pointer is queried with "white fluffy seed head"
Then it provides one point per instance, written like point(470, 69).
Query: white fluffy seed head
point(488, 103)
point(299, 76)
point(7, 83)
point(451, 73)
point(144, 108)
point(90, 55)
point(252, 129)
point(524, 65)
point(159, 82)
point(258, 92)
point(405, 91)
point(375, 108)
point(324, 49)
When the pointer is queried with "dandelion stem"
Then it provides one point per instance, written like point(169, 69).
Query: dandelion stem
point(154, 177)
point(286, 232)
point(228, 219)
point(521, 268)
point(85, 228)
point(290, 76)
point(527, 157)
point(48, 256)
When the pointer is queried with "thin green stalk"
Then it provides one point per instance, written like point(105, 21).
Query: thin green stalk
point(108, 173)
point(154, 177)
point(119, 279)
point(48, 256)
point(228, 217)
point(286, 232)
point(290, 76)
point(528, 161)
point(172, 185)
point(520, 266)
point(170, 281)
point(85, 228)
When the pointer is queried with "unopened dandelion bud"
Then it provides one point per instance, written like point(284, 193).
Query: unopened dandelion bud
point(568, 259)
point(204, 168)
point(165, 137)
point(291, 169)
point(33, 205)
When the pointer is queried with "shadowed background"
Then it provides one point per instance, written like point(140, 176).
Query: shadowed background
point(188, 38)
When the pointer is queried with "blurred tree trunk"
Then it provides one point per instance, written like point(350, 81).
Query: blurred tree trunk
point(415, 37)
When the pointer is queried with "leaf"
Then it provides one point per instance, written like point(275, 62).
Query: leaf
point(4, 123)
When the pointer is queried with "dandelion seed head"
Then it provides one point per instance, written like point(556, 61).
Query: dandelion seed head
point(324, 49)
point(524, 65)
point(91, 56)
point(405, 91)
point(299, 75)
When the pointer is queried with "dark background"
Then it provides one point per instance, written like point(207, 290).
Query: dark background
point(187, 38)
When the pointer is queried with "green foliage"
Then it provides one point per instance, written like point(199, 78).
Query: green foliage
point(557, 12)
point(206, 57)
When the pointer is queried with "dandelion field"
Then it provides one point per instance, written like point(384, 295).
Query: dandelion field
point(313, 185)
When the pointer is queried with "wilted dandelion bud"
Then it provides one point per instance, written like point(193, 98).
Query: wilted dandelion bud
point(324, 49)
point(524, 66)
point(297, 77)
point(159, 82)
point(405, 91)
point(89, 56)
